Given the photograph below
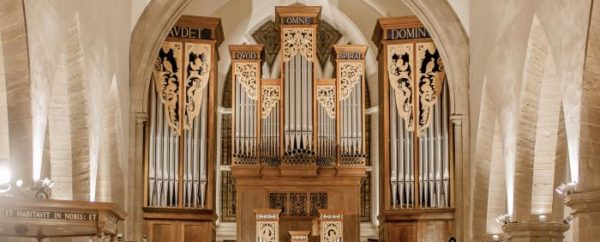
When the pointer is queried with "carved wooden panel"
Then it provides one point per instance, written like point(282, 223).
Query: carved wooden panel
point(318, 200)
point(298, 204)
point(268, 35)
point(267, 225)
point(278, 200)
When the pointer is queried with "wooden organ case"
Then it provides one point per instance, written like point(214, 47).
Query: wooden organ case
point(180, 149)
point(415, 153)
point(298, 141)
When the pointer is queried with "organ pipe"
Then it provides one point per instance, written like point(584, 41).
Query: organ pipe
point(298, 120)
point(246, 81)
point(415, 117)
point(181, 120)
point(350, 72)
point(434, 174)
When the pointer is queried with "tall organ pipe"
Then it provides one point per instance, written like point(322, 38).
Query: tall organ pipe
point(393, 150)
point(159, 157)
point(203, 149)
point(152, 156)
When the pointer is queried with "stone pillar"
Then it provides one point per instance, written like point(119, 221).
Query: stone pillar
point(586, 210)
point(135, 183)
point(585, 202)
point(535, 231)
point(18, 89)
point(461, 169)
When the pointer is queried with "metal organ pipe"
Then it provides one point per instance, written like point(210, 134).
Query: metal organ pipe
point(159, 156)
point(401, 159)
point(434, 173)
point(298, 102)
point(445, 154)
point(438, 153)
point(236, 146)
point(287, 100)
point(152, 179)
point(393, 158)
point(203, 149)
point(298, 98)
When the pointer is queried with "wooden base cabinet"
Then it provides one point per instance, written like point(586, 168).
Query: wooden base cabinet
point(179, 226)
point(423, 225)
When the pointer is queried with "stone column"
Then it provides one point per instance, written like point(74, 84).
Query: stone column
point(586, 210)
point(461, 202)
point(18, 89)
point(585, 202)
point(535, 231)
point(135, 183)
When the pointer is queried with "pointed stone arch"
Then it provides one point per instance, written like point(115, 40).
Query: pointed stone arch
point(110, 181)
point(549, 112)
point(496, 203)
point(440, 19)
point(485, 142)
point(18, 92)
point(4, 142)
point(538, 61)
point(77, 89)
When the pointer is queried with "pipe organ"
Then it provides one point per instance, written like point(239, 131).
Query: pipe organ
point(299, 134)
point(278, 114)
point(179, 173)
point(415, 149)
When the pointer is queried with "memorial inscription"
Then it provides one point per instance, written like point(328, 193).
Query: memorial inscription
point(52, 215)
point(407, 33)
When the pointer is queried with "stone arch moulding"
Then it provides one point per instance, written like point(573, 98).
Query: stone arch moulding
point(437, 16)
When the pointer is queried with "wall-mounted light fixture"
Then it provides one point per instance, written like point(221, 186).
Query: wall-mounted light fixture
point(569, 219)
point(504, 219)
point(41, 189)
point(5, 179)
point(495, 238)
point(542, 218)
point(566, 189)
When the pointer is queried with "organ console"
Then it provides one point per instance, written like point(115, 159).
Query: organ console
point(299, 140)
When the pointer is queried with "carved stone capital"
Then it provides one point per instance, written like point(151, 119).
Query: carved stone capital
point(141, 117)
point(456, 119)
point(583, 202)
point(535, 231)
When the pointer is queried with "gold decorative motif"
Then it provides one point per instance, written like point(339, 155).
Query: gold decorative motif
point(197, 62)
point(350, 74)
point(430, 73)
point(247, 75)
point(298, 41)
point(326, 97)
point(167, 77)
point(271, 96)
point(400, 71)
